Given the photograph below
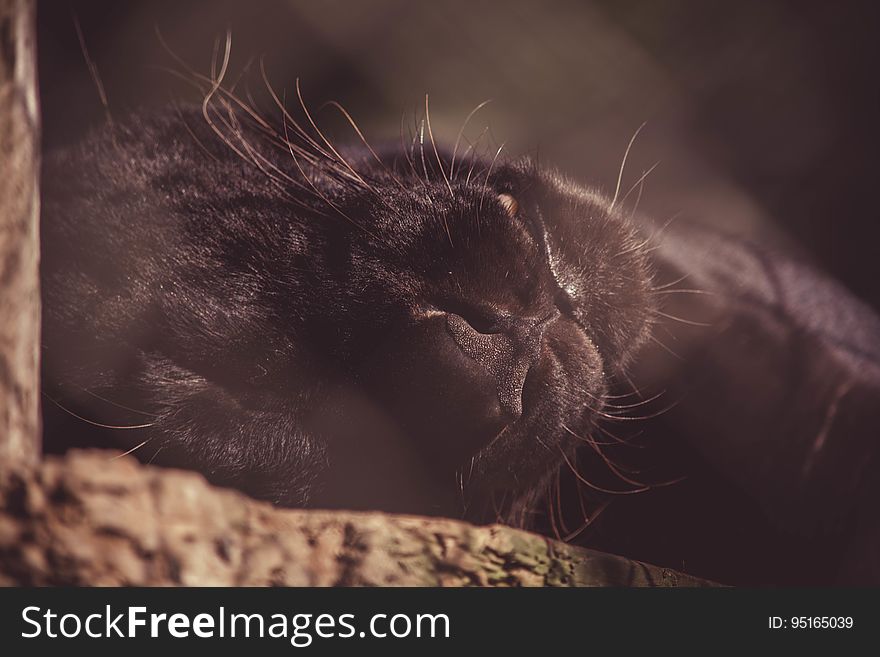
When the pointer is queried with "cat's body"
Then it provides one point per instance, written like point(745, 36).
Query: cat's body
point(333, 329)
point(413, 331)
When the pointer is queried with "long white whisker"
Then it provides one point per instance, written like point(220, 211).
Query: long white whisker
point(623, 165)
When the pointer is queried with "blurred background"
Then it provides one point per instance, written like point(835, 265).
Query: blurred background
point(760, 113)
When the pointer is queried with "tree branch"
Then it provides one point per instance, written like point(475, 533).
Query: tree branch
point(19, 242)
point(90, 519)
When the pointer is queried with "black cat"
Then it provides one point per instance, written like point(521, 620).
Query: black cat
point(405, 332)
point(418, 330)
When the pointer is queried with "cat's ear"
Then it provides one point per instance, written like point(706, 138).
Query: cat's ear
point(509, 203)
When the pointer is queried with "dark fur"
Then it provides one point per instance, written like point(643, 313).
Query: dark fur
point(328, 330)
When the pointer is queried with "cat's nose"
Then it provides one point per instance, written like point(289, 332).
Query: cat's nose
point(507, 348)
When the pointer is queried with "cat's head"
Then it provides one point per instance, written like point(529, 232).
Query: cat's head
point(494, 311)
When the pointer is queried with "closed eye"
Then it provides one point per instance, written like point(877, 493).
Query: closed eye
point(482, 320)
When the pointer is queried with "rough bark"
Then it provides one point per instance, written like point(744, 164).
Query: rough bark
point(92, 519)
point(19, 246)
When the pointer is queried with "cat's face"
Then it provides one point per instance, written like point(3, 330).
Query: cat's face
point(494, 316)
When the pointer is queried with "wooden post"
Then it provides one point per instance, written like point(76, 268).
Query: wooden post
point(19, 241)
